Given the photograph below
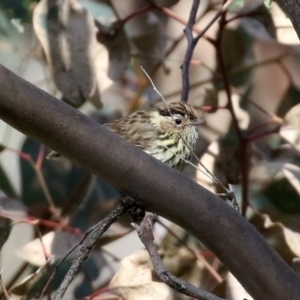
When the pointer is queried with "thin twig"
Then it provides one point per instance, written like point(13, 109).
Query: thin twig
point(189, 51)
point(40, 237)
point(176, 17)
point(192, 42)
point(144, 231)
point(230, 195)
point(37, 168)
point(218, 46)
point(88, 245)
point(173, 46)
point(3, 287)
point(235, 71)
point(86, 198)
point(213, 20)
point(16, 276)
point(137, 12)
point(45, 189)
point(229, 105)
point(198, 256)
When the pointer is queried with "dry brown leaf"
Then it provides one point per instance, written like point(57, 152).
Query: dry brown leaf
point(133, 281)
point(67, 33)
point(291, 130)
point(113, 37)
point(285, 241)
point(234, 290)
point(148, 36)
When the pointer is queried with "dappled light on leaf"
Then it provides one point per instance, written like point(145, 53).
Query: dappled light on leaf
point(67, 33)
point(55, 244)
point(147, 37)
point(291, 129)
point(284, 240)
point(285, 31)
point(234, 290)
point(12, 209)
point(133, 281)
point(114, 39)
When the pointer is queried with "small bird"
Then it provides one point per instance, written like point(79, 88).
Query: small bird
point(168, 133)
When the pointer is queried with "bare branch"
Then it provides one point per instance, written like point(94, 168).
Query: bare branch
point(213, 20)
point(87, 246)
point(189, 51)
point(192, 42)
point(144, 231)
point(293, 9)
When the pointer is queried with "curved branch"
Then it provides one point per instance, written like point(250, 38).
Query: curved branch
point(293, 10)
point(156, 187)
point(145, 233)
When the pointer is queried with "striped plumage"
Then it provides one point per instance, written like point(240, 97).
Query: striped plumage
point(158, 133)
point(154, 131)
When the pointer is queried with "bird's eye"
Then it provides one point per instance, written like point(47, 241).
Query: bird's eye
point(178, 121)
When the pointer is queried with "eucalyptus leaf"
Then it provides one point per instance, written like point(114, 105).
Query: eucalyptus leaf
point(66, 31)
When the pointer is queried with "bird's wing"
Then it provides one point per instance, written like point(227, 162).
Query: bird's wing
point(140, 135)
point(114, 126)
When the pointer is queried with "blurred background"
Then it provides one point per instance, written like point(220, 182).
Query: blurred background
point(245, 83)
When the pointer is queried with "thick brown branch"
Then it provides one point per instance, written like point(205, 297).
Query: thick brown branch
point(293, 10)
point(157, 187)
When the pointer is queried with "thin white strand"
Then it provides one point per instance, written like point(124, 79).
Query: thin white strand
point(190, 163)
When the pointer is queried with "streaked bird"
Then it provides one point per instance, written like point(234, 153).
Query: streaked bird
point(168, 133)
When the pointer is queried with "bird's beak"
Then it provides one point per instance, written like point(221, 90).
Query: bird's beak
point(198, 122)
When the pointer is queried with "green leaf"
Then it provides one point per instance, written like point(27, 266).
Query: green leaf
point(268, 3)
point(236, 4)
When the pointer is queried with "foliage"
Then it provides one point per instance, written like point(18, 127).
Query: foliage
point(244, 81)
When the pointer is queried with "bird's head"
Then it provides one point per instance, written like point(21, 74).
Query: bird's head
point(178, 117)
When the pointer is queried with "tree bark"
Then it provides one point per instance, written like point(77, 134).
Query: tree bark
point(293, 10)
